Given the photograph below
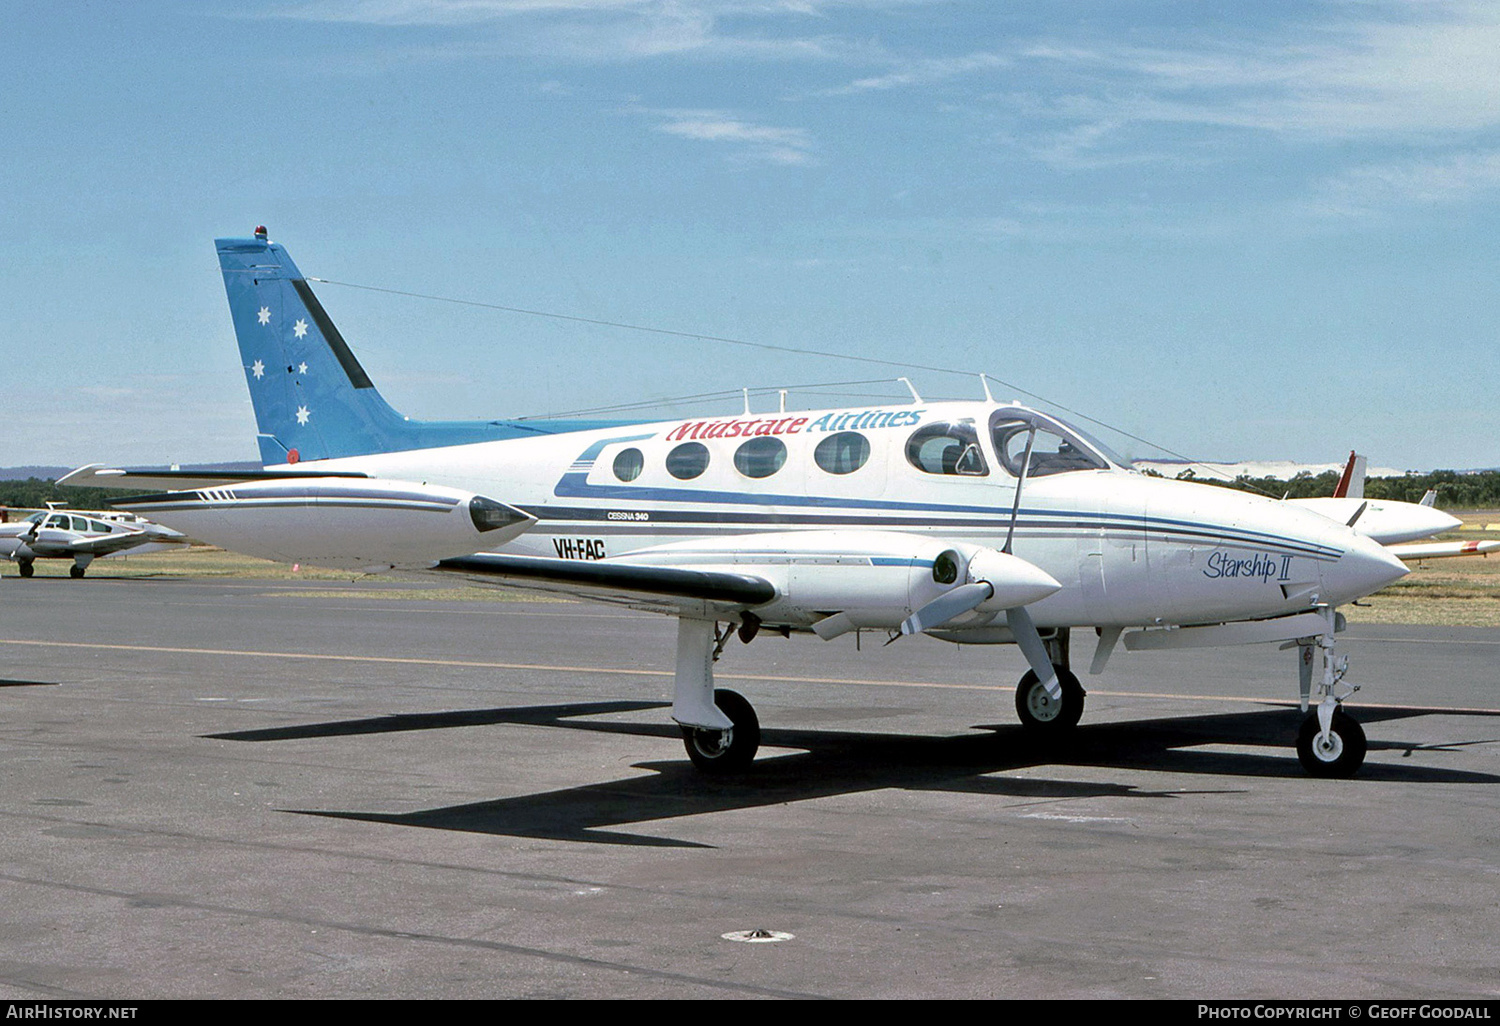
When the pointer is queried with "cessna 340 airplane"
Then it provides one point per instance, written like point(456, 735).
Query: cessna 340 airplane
point(972, 522)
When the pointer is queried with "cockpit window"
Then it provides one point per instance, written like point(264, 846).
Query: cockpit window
point(1052, 450)
point(947, 448)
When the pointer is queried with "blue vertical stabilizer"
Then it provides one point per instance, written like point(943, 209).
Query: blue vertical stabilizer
point(312, 399)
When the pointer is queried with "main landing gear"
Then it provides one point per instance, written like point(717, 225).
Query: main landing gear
point(719, 728)
point(27, 568)
point(1051, 712)
point(730, 750)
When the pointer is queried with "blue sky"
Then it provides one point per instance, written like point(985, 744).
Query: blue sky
point(1259, 231)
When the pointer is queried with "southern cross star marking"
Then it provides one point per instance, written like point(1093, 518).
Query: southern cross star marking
point(264, 316)
point(302, 369)
point(258, 369)
point(300, 328)
point(302, 415)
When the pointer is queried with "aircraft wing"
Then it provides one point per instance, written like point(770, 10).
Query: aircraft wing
point(101, 475)
point(1443, 550)
point(664, 588)
point(109, 544)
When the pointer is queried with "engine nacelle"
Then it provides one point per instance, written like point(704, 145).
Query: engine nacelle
point(837, 581)
point(347, 523)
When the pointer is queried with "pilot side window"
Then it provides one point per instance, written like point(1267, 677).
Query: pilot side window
point(687, 461)
point(1051, 453)
point(842, 453)
point(947, 448)
point(629, 464)
point(760, 457)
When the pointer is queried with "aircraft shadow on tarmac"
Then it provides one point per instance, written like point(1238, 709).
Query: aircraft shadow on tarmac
point(826, 763)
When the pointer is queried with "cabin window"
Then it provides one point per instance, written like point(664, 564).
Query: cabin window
point(57, 521)
point(629, 464)
point(1051, 453)
point(947, 448)
point(687, 461)
point(760, 457)
point(842, 453)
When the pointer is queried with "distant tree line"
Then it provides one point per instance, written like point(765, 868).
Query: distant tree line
point(35, 493)
point(1454, 490)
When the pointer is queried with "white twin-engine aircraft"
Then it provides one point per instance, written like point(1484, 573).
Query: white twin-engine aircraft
point(973, 522)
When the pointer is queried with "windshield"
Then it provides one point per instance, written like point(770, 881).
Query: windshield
point(1054, 447)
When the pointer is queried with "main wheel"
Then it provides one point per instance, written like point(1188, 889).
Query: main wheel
point(26, 568)
point(75, 572)
point(725, 751)
point(1041, 712)
point(1341, 755)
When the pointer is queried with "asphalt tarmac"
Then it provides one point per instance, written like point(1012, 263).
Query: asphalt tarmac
point(245, 789)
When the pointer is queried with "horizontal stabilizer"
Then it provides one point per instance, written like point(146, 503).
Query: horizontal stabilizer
point(367, 524)
point(100, 475)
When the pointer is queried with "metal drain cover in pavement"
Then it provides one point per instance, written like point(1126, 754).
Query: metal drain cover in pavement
point(757, 936)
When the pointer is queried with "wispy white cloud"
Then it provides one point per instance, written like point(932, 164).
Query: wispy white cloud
point(613, 30)
point(757, 142)
point(1410, 69)
point(1449, 180)
point(923, 71)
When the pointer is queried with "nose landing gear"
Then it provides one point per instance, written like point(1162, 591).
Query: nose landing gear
point(1330, 743)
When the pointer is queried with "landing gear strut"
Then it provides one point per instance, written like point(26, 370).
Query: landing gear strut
point(1330, 742)
point(719, 728)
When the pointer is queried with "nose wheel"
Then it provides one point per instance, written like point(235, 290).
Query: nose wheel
point(1339, 753)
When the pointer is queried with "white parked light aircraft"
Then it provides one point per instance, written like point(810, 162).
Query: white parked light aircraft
point(1392, 523)
point(79, 535)
point(973, 522)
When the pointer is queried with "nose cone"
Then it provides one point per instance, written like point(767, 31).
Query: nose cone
point(1015, 582)
point(1364, 568)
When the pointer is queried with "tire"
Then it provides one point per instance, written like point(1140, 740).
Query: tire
point(75, 572)
point(27, 569)
point(726, 751)
point(1345, 752)
point(1044, 715)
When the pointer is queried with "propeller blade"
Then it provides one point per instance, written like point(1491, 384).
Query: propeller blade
point(945, 607)
point(1030, 641)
